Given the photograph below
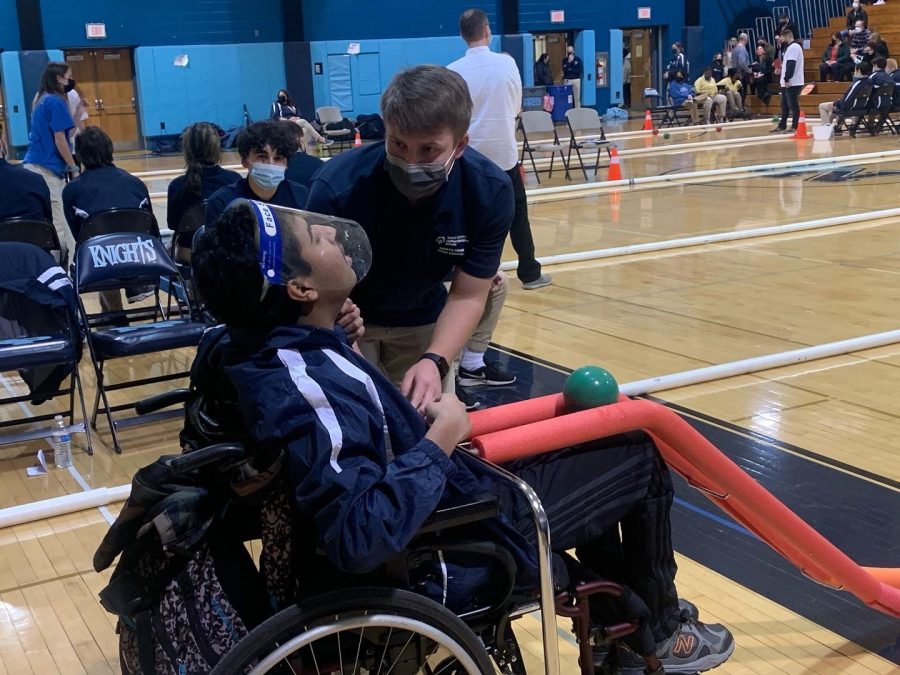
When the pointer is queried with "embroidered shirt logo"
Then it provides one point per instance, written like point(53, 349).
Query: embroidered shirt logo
point(452, 245)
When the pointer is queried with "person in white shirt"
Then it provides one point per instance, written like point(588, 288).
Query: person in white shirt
point(78, 111)
point(792, 82)
point(496, 89)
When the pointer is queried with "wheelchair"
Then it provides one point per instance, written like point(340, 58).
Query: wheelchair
point(376, 623)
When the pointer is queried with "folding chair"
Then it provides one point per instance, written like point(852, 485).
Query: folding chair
point(539, 122)
point(585, 122)
point(191, 221)
point(329, 115)
point(858, 110)
point(29, 231)
point(111, 221)
point(39, 335)
point(116, 261)
point(882, 105)
point(661, 109)
point(895, 109)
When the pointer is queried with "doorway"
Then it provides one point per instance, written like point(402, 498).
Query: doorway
point(554, 45)
point(642, 45)
point(105, 79)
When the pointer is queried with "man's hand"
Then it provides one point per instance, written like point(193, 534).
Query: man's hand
point(350, 320)
point(422, 383)
point(448, 421)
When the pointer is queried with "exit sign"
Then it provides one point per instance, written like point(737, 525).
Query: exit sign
point(557, 16)
point(95, 31)
point(643, 12)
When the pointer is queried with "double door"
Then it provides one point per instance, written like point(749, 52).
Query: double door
point(105, 80)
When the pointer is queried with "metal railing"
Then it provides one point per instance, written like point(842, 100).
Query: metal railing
point(810, 14)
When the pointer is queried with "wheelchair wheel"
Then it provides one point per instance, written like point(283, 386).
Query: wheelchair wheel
point(360, 632)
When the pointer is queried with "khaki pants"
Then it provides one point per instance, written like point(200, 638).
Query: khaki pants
point(56, 185)
point(825, 110)
point(734, 100)
point(396, 349)
point(692, 106)
point(576, 91)
point(708, 102)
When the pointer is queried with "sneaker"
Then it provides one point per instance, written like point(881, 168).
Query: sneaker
point(138, 294)
point(489, 375)
point(693, 648)
point(467, 399)
point(689, 611)
point(326, 141)
point(778, 130)
point(540, 282)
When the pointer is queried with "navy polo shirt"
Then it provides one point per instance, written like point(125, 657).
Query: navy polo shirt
point(23, 194)
point(415, 247)
point(289, 194)
point(302, 167)
point(211, 179)
point(106, 187)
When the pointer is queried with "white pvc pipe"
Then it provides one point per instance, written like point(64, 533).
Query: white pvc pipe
point(57, 506)
point(759, 363)
point(700, 240)
point(710, 175)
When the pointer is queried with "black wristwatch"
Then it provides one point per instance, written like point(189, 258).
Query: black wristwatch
point(438, 360)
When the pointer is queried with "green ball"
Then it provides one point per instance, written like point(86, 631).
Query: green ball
point(776, 119)
point(666, 135)
point(590, 387)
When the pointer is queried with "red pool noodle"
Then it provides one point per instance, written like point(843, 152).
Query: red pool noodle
point(516, 414)
point(721, 480)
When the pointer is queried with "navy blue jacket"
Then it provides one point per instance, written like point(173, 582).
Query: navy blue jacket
point(302, 168)
point(211, 179)
point(23, 193)
point(106, 187)
point(358, 461)
point(289, 194)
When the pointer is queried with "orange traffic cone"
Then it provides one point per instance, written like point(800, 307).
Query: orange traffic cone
point(357, 141)
point(615, 168)
point(801, 132)
point(648, 121)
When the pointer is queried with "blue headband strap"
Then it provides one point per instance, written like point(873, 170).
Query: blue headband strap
point(269, 243)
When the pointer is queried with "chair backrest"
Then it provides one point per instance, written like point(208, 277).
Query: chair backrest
point(886, 97)
point(192, 219)
point(110, 221)
point(537, 122)
point(121, 260)
point(29, 231)
point(584, 119)
point(863, 95)
point(328, 114)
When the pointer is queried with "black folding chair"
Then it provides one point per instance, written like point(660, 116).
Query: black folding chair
point(882, 105)
point(539, 123)
point(110, 221)
point(895, 109)
point(116, 261)
point(584, 123)
point(40, 336)
point(662, 112)
point(857, 109)
point(180, 248)
point(30, 231)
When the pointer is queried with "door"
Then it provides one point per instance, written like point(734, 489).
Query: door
point(105, 79)
point(556, 49)
point(641, 62)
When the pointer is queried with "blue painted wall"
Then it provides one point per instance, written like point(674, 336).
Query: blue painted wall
point(214, 87)
point(161, 22)
point(14, 95)
point(9, 26)
point(355, 20)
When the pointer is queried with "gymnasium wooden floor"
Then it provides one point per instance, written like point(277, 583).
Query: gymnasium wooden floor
point(640, 316)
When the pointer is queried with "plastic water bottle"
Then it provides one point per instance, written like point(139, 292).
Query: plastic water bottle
point(62, 443)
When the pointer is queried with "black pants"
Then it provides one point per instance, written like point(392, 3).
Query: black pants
point(790, 103)
point(626, 94)
point(520, 232)
point(592, 490)
point(836, 70)
point(761, 88)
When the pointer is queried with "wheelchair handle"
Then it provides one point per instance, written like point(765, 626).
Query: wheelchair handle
point(160, 401)
point(213, 454)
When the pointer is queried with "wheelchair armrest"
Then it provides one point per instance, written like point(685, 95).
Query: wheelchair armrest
point(160, 401)
point(462, 511)
point(204, 457)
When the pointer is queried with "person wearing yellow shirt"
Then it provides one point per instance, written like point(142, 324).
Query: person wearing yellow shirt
point(732, 85)
point(708, 94)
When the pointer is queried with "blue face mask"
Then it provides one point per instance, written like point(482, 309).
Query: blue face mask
point(267, 176)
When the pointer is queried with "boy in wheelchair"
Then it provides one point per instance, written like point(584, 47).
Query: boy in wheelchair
point(365, 469)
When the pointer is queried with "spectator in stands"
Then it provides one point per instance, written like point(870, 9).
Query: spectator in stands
point(708, 94)
point(850, 99)
point(892, 70)
point(678, 62)
point(49, 150)
point(728, 54)
point(573, 70)
point(879, 46)
point(203, 176)
point(717, 66)
point(731, 86)
point(835, 59)
point(859, 38)
point(543, 76)
point(792, 81)
point(302, 166)
point(264, 148)
point(103, 186)
point(762, 70)
point(741, 58)
point(785, 23)
point(23, 194)
point(682, 95)
point(855, 14)
point(769, 48)
point(283, 109)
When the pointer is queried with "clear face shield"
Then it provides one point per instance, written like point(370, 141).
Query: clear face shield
point(330, 254)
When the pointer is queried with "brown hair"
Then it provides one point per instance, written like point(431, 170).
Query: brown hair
point(472, 23)
point(202, 147)
point(426, 99)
